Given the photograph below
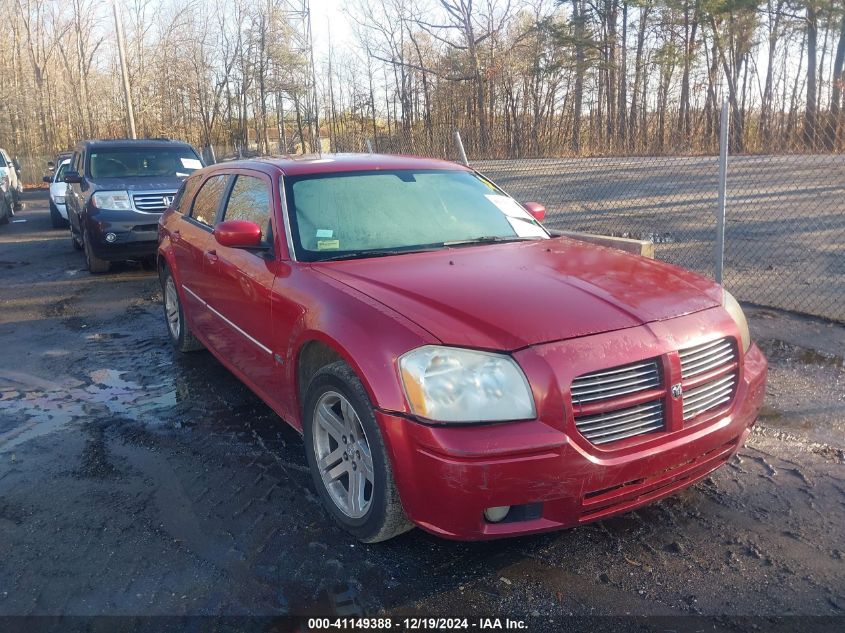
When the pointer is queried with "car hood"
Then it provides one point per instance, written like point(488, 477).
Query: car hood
point(509, 296)
point(138, 184)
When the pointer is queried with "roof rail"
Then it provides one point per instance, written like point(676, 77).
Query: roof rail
point(147, 138)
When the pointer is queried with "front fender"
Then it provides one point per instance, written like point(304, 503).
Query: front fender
point(363, 332)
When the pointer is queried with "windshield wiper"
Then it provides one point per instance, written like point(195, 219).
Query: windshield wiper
point(373, 253)
point(493, 239)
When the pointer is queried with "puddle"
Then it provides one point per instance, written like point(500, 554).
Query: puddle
point(778, 350)
point(35, 407)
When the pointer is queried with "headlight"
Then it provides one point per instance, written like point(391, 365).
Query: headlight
point(59, 199)
point(114, 200)
point(732, 306)
point(447, 384)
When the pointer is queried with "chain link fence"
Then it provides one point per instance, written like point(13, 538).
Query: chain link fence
point(785, 219)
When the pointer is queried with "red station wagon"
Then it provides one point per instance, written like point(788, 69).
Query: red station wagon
point(449, 363)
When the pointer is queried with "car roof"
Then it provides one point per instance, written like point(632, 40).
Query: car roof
point(335, 163)
point(131, 142)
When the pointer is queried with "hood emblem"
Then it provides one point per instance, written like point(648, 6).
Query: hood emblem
point(168, 200)
point(677, 390)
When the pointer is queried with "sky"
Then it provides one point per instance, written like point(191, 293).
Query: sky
point(328, 16)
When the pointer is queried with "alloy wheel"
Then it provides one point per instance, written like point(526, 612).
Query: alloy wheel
point(171, 307)
point(343, 455)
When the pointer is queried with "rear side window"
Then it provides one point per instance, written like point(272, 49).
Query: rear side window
point(182, 202)
point(250, 200)
point(208, 200)
point(60, 172)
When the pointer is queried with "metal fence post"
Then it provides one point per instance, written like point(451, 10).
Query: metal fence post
point(369, 146)
point(460, 145)
point(723, 187)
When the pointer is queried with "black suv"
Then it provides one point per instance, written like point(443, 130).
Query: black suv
point(117, 190)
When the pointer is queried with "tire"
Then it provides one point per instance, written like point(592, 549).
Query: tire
point(348, 420)
point(77, 246)
point(5, 213)
point(148, 263)
point(56, 218)
point(174, 316)
point(96, 265)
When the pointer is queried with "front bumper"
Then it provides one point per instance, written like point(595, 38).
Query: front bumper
point(135, 234)
point(447, 476)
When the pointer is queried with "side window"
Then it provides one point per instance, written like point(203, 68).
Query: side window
point(182, 202)
point(205, 205)
point(250, 200)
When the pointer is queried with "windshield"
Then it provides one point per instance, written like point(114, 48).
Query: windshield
point(145, 162)
point(60, 172)
point(364, 213)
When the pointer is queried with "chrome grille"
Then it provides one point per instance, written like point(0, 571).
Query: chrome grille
point(708, 396)
point(611, 383)
point(703, 358)
point(153, 202)
point(617, 425)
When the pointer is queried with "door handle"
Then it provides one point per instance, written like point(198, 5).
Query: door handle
point(211, 257)
point(175, 236)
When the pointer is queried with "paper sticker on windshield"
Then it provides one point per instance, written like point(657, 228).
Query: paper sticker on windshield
point(508, 206)
point(524, 227)
point(325, 233)
point(328, 245)
point(191, 163)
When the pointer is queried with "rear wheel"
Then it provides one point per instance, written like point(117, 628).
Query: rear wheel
point(180, 332)
point(148, 263)
point(77, 246)
point(347, 456)
point(95, 264)
point(56, 218)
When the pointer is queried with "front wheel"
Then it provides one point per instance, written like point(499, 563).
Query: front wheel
point(5, 212)
point(95, 264)
point(347, 456)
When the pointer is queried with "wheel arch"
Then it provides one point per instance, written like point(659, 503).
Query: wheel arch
point(376, 373)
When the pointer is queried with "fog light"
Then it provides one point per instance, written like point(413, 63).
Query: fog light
point(497, 513)
point(110, 237)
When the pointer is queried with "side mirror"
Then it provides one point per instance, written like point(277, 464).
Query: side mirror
point(72, 177)
point(238, 234)
point(537, 210)
point(47, 179)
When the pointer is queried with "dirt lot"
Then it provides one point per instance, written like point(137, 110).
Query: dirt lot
point(134, 480)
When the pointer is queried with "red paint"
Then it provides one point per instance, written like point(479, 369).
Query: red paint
point(238, 234)
point(562, 308)
point(537, 210)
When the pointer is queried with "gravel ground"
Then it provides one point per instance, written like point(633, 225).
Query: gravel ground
point(134, 480)
point(785, 225)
